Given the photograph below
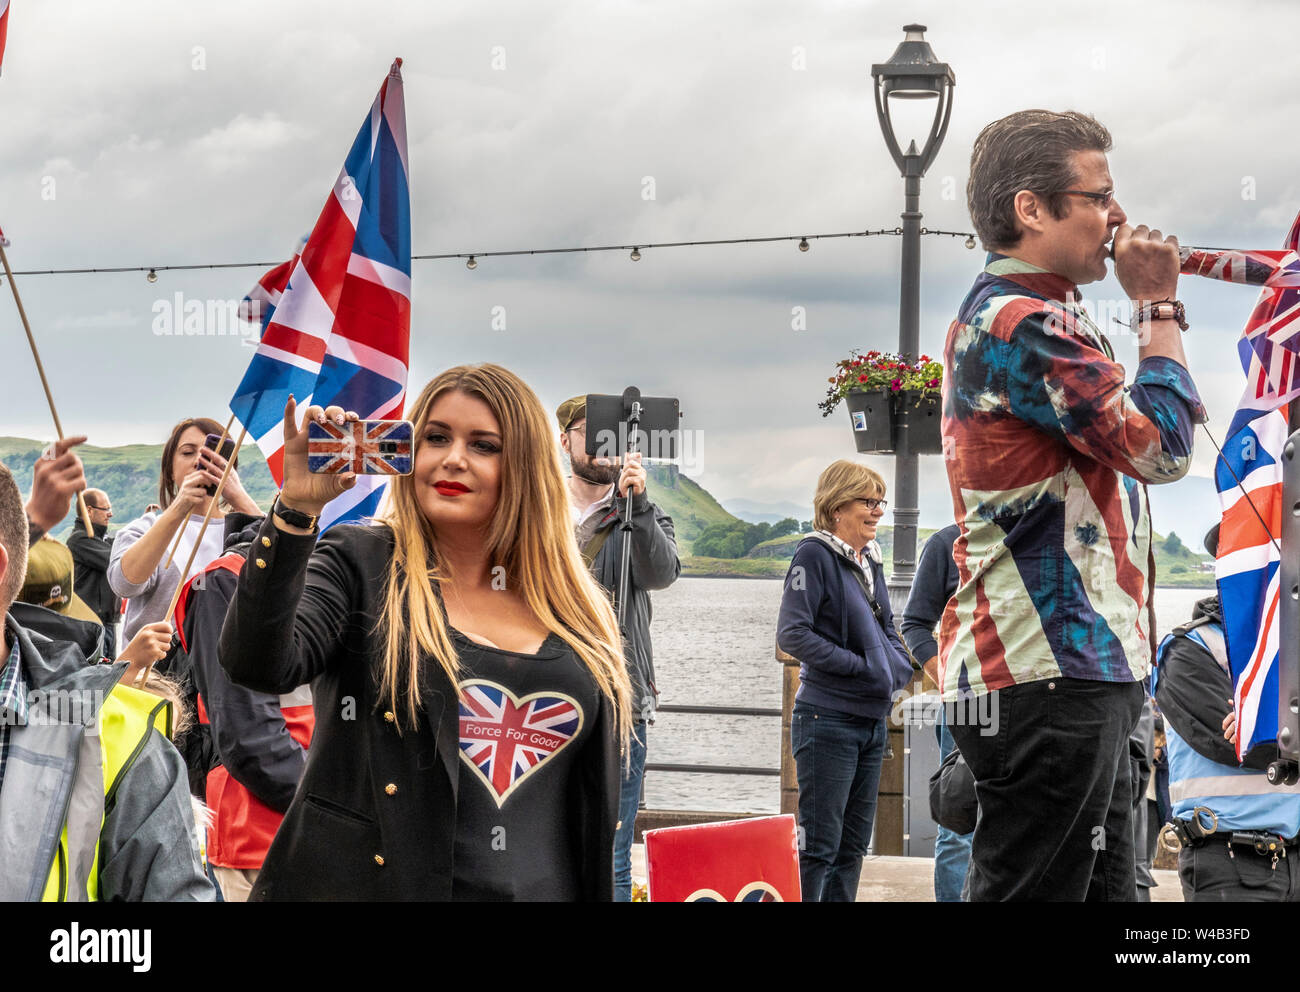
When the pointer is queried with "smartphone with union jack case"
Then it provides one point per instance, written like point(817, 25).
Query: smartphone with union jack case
point(367, 447)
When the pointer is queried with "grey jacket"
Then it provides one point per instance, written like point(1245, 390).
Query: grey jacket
point(54, 776)
point(654, 565)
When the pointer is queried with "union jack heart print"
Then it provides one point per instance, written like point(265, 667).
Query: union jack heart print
point(505, 739)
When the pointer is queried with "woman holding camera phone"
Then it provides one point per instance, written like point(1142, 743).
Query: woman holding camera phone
point(136, 569)
point(467, 670)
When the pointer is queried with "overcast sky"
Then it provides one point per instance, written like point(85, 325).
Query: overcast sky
point(147, 134)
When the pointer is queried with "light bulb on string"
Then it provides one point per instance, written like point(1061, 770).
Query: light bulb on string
point(803, 244)
point(970, 241)
point(636, 255)
point(152, 276)
point(471, 264)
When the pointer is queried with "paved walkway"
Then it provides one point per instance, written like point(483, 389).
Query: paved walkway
point(892, 879)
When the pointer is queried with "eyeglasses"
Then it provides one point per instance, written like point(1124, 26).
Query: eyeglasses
point(92, 506)
point(871, 504)
point(1103, 200)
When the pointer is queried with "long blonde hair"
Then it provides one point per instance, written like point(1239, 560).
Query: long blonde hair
point(530, 536)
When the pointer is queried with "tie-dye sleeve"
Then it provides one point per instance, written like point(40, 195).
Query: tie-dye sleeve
point(1059, 381)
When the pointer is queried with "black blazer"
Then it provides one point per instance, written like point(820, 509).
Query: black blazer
point(374, 817)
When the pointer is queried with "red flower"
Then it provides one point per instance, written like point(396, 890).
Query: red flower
point(933, 383)
point(862, 378)
point(896, 385)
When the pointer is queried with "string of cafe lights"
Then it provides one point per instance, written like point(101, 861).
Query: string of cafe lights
point(471, 258)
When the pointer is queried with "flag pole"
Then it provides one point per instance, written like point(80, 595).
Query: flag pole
point(225, 433)
point(40, 368)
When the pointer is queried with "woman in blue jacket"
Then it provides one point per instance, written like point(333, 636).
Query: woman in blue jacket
point(836, 619)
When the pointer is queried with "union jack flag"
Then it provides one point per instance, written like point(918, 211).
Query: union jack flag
point(376, 449)
point(1270, 344)
point(340, 331)
point(505, 739)
point(4, 28)
point(260, 303)
point(1246, 569)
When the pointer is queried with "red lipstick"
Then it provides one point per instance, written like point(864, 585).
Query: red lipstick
point(450, 488)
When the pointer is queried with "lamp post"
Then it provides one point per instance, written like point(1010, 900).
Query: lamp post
point(912, 73)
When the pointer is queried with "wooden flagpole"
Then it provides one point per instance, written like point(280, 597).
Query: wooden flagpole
point(40, 368)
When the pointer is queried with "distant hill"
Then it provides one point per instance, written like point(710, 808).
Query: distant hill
point(1177, 566)
point(755, 512)
point(691, 507)
point(129, 474)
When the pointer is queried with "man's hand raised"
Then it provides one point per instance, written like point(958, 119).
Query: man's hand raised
point(57, 476)
point(303, 489)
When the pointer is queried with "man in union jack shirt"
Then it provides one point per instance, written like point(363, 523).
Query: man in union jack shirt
point(1048, 450)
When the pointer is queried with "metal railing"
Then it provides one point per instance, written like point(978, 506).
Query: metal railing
point(654, 766)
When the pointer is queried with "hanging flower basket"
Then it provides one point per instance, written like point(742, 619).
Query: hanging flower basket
point(917, 413)
point(893, 403)
point(872, 416)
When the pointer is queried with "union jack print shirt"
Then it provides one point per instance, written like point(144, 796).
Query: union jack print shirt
point(1047, 450)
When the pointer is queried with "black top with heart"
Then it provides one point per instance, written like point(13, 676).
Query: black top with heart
point(523, 720)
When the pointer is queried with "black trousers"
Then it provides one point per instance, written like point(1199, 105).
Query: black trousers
point(1051, 767)
point(1210, 874)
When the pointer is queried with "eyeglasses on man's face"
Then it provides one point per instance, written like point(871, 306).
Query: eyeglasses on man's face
point(871, 504)
point(1103, 200)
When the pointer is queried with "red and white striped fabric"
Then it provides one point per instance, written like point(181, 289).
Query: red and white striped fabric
point(260, 303)
point(4, 29)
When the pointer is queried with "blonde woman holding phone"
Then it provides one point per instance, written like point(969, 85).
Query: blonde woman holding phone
point(467, 671)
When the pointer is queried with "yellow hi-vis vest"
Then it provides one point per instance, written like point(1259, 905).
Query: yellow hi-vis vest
point(124, 723)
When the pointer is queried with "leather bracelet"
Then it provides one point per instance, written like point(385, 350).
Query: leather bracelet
point(1162, 310)
point(294, 518)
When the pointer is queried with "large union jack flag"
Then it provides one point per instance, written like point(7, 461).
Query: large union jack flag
point(340, 330)
point(1246, 569)
point(377, 449)
point(505, 739)
point(1270, 343)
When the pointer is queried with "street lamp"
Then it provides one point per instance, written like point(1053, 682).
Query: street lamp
point(912, 73)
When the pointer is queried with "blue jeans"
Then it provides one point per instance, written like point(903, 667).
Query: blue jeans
point(951, 850)
point(629, 798)
point(837, 757)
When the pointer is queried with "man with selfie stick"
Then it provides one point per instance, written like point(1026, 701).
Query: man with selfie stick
point(599, 518)
point(1048, 450)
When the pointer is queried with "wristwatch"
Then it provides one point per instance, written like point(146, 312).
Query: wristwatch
point(1162, 310)
point(294, 518)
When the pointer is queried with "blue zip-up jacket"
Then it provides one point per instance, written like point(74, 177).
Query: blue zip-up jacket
point(847, 662)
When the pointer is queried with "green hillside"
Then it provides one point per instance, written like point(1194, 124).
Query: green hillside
point(129, 474)
point(1176, 565)
point(691, 507)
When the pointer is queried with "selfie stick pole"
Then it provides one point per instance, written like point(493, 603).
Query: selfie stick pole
point(631, 410)
point(181, 533)
point(40, 369)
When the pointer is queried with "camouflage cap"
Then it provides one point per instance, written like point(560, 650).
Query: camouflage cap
point(571, 411)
